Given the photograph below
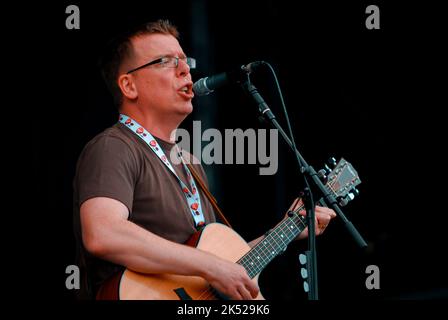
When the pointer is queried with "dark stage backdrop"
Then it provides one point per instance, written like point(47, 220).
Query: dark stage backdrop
point(370, 96)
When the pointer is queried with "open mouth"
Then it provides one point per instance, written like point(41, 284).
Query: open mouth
point(187, 91)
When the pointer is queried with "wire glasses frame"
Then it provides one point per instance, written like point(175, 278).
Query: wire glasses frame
point(170, 62)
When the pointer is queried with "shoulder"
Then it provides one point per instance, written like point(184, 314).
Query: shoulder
point(113, 135)
point(116, 137)
point(113, 144)
point(107, 167)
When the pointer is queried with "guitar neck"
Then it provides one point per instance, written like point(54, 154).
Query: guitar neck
point(273, 244)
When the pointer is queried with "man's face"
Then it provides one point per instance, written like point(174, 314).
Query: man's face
point(166, 91)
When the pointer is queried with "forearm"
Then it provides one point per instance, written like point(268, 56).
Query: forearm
point(106, 233)
point(129, 245)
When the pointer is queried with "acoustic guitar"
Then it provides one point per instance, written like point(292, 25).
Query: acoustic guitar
point(222, 241)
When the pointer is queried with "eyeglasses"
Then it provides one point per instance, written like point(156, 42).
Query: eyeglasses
point(169, 62)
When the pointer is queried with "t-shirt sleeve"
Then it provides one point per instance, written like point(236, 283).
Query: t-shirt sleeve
point(107, 168)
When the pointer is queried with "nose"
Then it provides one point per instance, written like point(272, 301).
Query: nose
point(183, 69)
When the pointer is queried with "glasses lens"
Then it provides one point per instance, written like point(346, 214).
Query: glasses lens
point(169, 62)
point(191, 63)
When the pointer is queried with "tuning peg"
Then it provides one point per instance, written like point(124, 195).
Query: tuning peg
point(332, 162)
point(344, 200)
point(350, 196)
point(355, 192)
point(322, 174)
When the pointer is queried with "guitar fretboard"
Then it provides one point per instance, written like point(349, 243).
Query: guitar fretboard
point(273, 244)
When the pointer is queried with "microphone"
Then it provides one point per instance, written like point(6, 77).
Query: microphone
point(206, 85)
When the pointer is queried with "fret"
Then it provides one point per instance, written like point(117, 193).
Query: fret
point(277, 239)
point(279, 234)
point(274, 243)
point(253, 260)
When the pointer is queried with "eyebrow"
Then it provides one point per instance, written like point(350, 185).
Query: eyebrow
point(172, 54)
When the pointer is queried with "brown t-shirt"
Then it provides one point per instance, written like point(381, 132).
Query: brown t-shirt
point(118, 164)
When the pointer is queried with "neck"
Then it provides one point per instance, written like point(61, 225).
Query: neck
point(162, 127)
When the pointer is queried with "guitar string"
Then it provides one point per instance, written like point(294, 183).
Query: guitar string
point(260, 254)
point(247, 260)
point(283, 226)
point(211, 292)
point(261, 251)
point(271, 241)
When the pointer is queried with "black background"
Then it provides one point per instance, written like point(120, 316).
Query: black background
point(374, 97)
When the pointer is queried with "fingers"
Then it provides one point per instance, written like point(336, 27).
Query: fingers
point(320, 228)
point(232, 280)
point(248, 289)
point(254, 290)
point(321, 211)
point(248, 292)
point(325, 210)
point(296, 204)
point(323, 218)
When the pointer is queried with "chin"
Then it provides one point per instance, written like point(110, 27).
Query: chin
point(187, 109)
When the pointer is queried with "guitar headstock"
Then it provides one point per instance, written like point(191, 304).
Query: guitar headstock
point(342, 181)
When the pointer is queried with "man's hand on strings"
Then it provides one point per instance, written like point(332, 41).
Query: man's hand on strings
point(323, 217)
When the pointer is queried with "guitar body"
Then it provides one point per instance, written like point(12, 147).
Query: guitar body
point(214, 238)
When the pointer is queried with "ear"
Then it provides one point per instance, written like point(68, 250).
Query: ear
point(127, 86)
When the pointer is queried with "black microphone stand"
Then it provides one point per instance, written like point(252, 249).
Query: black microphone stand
point(309, 174)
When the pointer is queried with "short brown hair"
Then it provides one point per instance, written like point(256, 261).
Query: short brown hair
point(121, 48)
